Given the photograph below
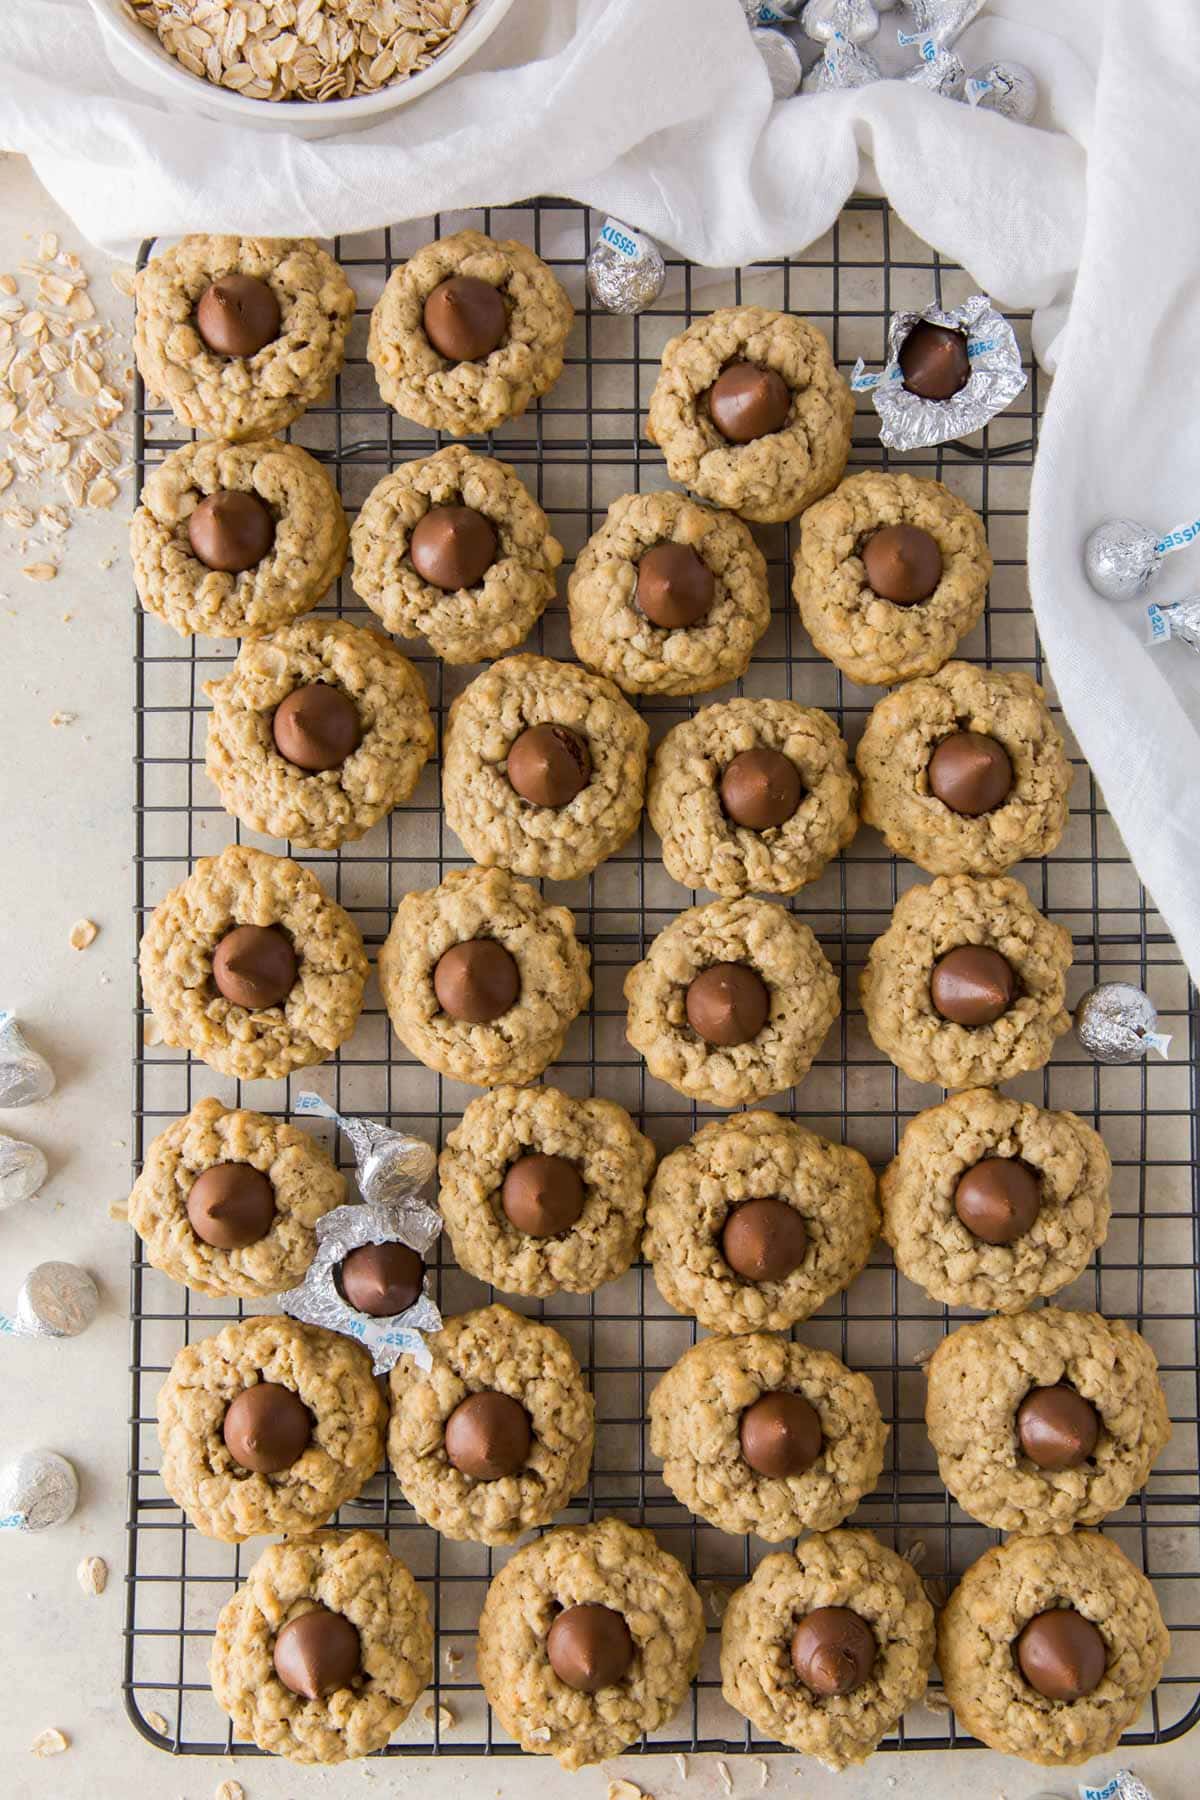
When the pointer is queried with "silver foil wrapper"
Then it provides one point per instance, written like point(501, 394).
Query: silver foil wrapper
point(942, 73)
point(907, 422)
point(22, 1171)
point(1123, 1786)
point(1121, 558)
point(771, 12)
point(843, 65)
point(1007, 88)
point(25, 1076)
point(856, 20)
point(1180, 619)
point(57, 1300)
point(38, 1489)
point(390, 1166)
point(625, 270)
point(942, 20)
point(782, 61)
point(317, 1301)
point(1116, 1023)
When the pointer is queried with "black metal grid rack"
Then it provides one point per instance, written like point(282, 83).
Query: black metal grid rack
point(581, 448)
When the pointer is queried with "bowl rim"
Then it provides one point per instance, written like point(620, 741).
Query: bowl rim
point(142, 44)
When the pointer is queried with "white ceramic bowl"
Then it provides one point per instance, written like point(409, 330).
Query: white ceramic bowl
point(137, 54)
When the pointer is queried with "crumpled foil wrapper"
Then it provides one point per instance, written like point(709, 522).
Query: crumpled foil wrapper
point(38, 1489)
point(842, 66)
point(25, 1076)
point(22, 1171)
point(55, 1300)
point(1007, 88)
point(1180, 619)
point(856, 20)
point(317, 1300)
point(1116, 1023)
point(390, 1166)
point(941, 72)
point(783, 62)
point(907, 422)
point(1121, 558)
point(1123, 1786)
point(625, 269)
point(942, 20)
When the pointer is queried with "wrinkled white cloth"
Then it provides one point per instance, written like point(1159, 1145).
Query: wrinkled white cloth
point(660, 112)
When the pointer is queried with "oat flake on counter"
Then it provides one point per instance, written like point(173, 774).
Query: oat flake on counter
point(302, 49)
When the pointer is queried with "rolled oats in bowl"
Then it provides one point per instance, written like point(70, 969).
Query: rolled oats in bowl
point(302, 49)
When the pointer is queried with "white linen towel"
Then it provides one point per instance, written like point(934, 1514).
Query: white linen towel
point(662, 114)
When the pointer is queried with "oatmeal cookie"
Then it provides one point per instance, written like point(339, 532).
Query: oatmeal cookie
point(302, 1186)
point(875, 640)
point(702, 1425)
point(851, 1570)
point(1045, 1466)
point(352, 1574)
point(998, 1597)
point(754, 978)
point(965, 772)
point(742, 1162)
point(302, 537)
point(797, 453)
point(241, 392)
point(332, 1457)
point(1065, 1216)
point(509, 1022)
point(543, 768)
point(244, 887)
point(612, 1565)
point(721, 787)
point(320, 775)
point(504, 586)
point(567, 1250)
point(720, 593)
point(1001, 998)
point(471, 394)
point(472, 1475)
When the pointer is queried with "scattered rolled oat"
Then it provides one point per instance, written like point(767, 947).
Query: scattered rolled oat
point(62, 718)
point(92, 1574)
point(923, 1357)
point(151, 1033)
point(762, 1771)
point(40, 571)
point(83, 932)
point(157, 1723)
point(681, 1765)
point(230, 1790)
point(724, 1777)
point(627, 1790)
point(718, 1598)
point(445, 1718)
point(50, 1743)
point(935, 1701)
point(916, 1553)
point(454, 1657)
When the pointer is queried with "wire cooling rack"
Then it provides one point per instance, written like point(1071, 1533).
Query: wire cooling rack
point(580, 449)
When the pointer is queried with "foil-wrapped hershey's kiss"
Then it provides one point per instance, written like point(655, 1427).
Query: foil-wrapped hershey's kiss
point(1121, 1786)
point(771, 12)
point(842, 66)
point(392, 1168)
point(389, 1165)
point(782, 61)
point(22, 1171)
point(56, 1299)
point(38, 1488)
point(1007, 88)
point(25, 1075)
point(625, 269)
point(856, 20)
point(908, 421)
point(1179, 619)
point(1122, 557)
point(1117, 1023)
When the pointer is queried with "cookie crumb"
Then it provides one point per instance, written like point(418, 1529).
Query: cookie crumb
point(40, 571)
point(935, 1701)
point(62, 718)
point(446, 1720)
point(151, 1032)
point(454, 1657)
point(92, 1573)
point(724, 1777)
point(540, 1735)
point(50, 1743)
point(83, 932)
point(923, 1358)
point(157, 1723)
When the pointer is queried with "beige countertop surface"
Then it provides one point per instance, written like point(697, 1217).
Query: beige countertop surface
point(65, 847)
